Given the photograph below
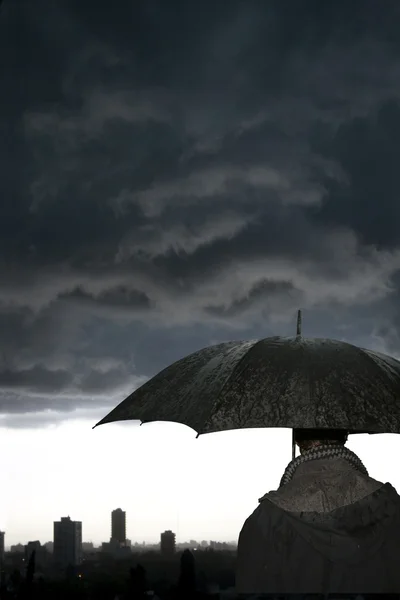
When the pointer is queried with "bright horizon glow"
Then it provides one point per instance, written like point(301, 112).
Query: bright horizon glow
point(160, 474)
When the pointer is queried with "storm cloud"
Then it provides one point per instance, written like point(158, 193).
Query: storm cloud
point(177, 174)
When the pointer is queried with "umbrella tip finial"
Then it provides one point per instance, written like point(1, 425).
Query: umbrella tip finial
point(298, 333)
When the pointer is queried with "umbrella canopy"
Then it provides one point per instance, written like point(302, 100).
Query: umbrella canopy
point(275, 382)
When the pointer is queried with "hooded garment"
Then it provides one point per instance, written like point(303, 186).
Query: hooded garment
point(331, 529)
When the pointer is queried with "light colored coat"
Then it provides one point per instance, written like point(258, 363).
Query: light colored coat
point(322, 486)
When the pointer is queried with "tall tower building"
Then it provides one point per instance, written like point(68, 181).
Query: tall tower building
point(168, 543)
point(67, 549)
point(118, 526)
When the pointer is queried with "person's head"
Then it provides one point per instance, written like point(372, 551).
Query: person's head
point(311, 438)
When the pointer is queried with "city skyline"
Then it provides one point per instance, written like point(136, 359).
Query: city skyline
point(176, 178)
point(209, 507)
point(87, 545)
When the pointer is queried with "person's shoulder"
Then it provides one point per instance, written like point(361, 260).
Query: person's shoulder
point(388, 490)
point(272, 503)
point(268, 496)
point(264, 508)
point(284, 498)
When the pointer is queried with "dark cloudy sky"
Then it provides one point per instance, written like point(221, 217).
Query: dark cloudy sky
point(180, 173)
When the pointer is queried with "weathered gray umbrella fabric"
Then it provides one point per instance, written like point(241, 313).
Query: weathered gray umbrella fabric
point(275, 382)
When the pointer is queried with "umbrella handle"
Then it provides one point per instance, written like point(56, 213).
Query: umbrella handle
point(293, 446)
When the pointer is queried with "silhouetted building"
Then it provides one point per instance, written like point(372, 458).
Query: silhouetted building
point(222, 546)
point(118, 525)
point(31, 547)
point(2, 534)
point(41, 554)
point(118, 550)
point(87, 547)
point(49, 547)
point(17, 549)
point(168, 543)
point(67, 550)
point(187, 576)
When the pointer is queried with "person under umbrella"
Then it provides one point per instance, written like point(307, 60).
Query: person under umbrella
point(329, 528)
point(302, 384)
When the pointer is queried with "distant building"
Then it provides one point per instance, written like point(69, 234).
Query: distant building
point(2, 534)
point(168, 543)
point(40, 552)
point(49, 547)
point(231, 546)
point(67, 550)
point(116, 549)
point(32, 547)
point(17, 549)
point(87, 547)
point(118, 526)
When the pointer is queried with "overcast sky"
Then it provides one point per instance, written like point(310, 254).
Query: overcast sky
point(177, 174)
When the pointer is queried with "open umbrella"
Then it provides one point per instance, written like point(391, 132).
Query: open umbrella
point(275, 382)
